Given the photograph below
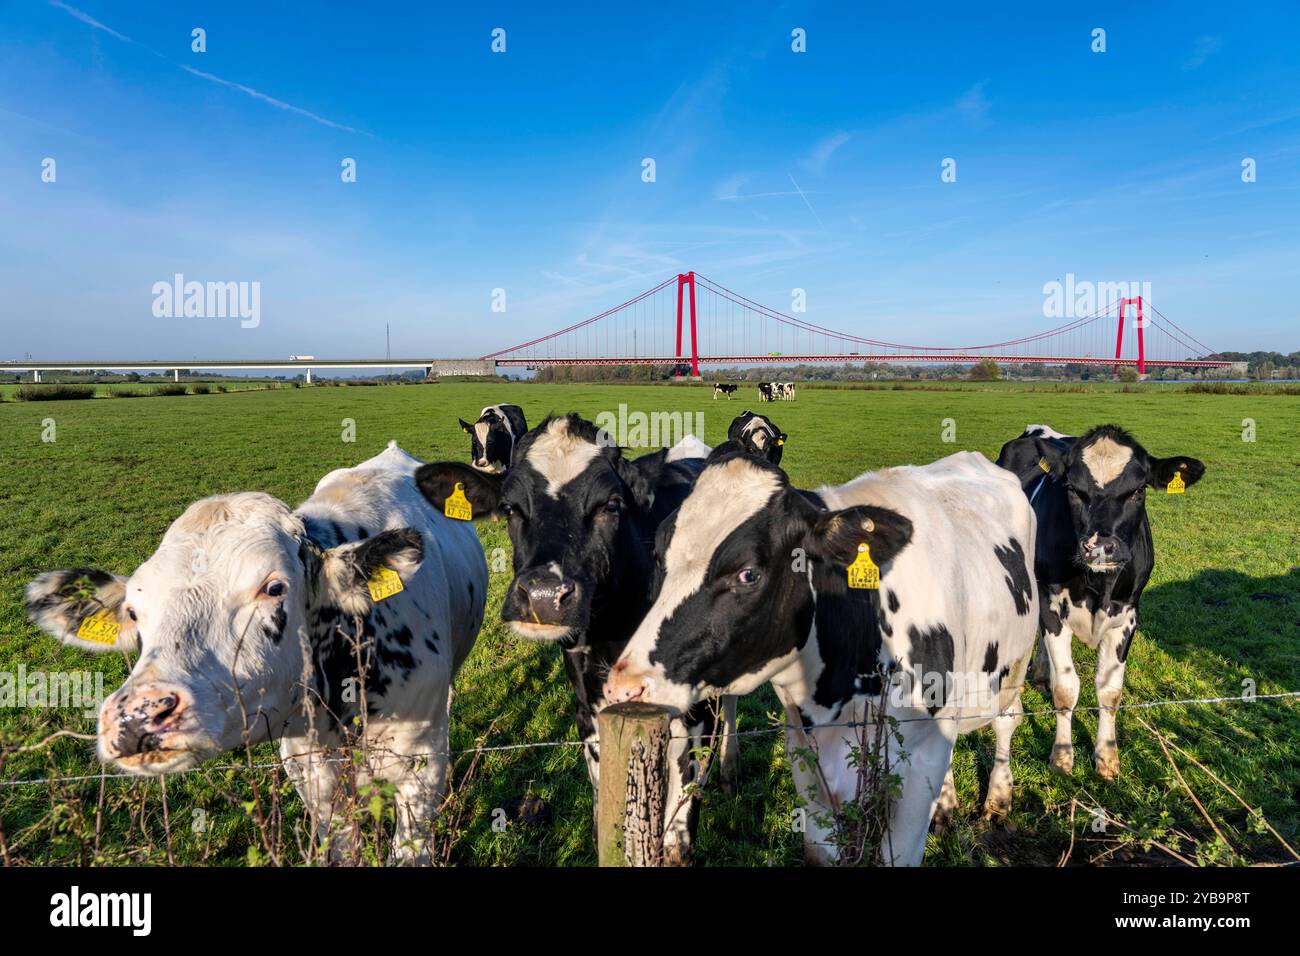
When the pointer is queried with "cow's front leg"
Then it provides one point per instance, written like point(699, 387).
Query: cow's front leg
point(1065, 689)
point(813, 815)
point(946, 808)
point(927, 763)
point(316, 775)
point(1110, 687)
point(414, 757)
point(729, 746)
point(998, 801)
point(681, 809)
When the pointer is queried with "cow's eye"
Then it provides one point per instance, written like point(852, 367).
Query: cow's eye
point(748, 577)
point(130, 612)
point(273, 588)
point(506, 510)
point(614, 505)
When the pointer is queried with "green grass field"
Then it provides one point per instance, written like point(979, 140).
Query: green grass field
point(1223, 608)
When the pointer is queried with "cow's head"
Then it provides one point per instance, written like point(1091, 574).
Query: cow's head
point(219, 615)
point(1106, 474)
point(758, 435)
point(737, 568)
point(493, 437)
point(575, 510)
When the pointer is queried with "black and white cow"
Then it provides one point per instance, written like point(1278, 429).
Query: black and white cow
point(722, 388)
point(758, 435)
point(246, 602)
point(754, 587)
point(1093, 559)
point(493, 436)
point(787, 391)
point(582, 520)
point(765, 393)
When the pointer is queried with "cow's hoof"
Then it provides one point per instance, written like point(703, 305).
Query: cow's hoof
point(942, 820)
point(1063, 758)
point(997, 808)
point(1107, 764)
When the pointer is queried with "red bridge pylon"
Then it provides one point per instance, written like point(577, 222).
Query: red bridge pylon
point(688, 279)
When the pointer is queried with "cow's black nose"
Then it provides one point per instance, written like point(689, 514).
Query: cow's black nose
point(545, 596)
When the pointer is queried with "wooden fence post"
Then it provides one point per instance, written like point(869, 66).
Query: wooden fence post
point(630, 800)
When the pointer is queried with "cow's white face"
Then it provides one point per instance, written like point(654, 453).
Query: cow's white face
point(220, 616)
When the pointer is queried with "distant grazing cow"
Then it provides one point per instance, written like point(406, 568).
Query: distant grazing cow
point(1094, 557)
point(765, 392)
point(493, 436)
point(245, 601)
point(722, 388)
point(758, 435)
point(582, 520)
point(787, 391)
point(756, 587)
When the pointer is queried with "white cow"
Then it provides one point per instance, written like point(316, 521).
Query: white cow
point(244, 620)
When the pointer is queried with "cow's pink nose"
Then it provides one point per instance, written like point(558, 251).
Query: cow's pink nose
point(138, 720)
point(622, 685)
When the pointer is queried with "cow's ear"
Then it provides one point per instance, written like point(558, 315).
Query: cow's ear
point(83, 607)
point(437, 481)
point(837, 534)
point(357, 574)
point(641, 476)
point(515, 416)
point(465, 426)
point(1051, 458)
point(1162, 470)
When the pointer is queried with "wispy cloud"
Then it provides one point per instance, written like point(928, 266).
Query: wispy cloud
point(87, 18)
point(973, 104)
point(807, 203)
point(211, 78)
point(1204, 48)
point(278, 104)
point(816, 161)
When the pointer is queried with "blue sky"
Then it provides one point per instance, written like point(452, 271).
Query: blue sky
point(523, 170)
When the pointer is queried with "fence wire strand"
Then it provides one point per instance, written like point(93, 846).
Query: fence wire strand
point(762, 731)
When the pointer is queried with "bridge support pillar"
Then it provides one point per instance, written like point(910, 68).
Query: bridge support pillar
point(176, 375)
point(308, 376)
point(36, 375)
point(683, 280)
point(1140, 324)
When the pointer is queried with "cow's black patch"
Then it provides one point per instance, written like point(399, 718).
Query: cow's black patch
point(991, 657)
point(274, 628)
point(892, 598)
point(1121, 649)
point(1012, 557)
point(932, 657)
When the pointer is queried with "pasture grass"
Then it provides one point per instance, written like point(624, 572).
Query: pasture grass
point(1222, 609)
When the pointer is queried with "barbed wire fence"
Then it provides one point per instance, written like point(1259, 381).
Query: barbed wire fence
point(336, 754)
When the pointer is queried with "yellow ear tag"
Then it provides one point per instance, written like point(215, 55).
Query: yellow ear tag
point(863, 572)
point(384, 583)
point(1042, 463)
point(1176, 486)
point(780, 441)
point(457, 505)
point(100, 627)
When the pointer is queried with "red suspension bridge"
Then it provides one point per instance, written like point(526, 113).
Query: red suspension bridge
point(726, 328)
